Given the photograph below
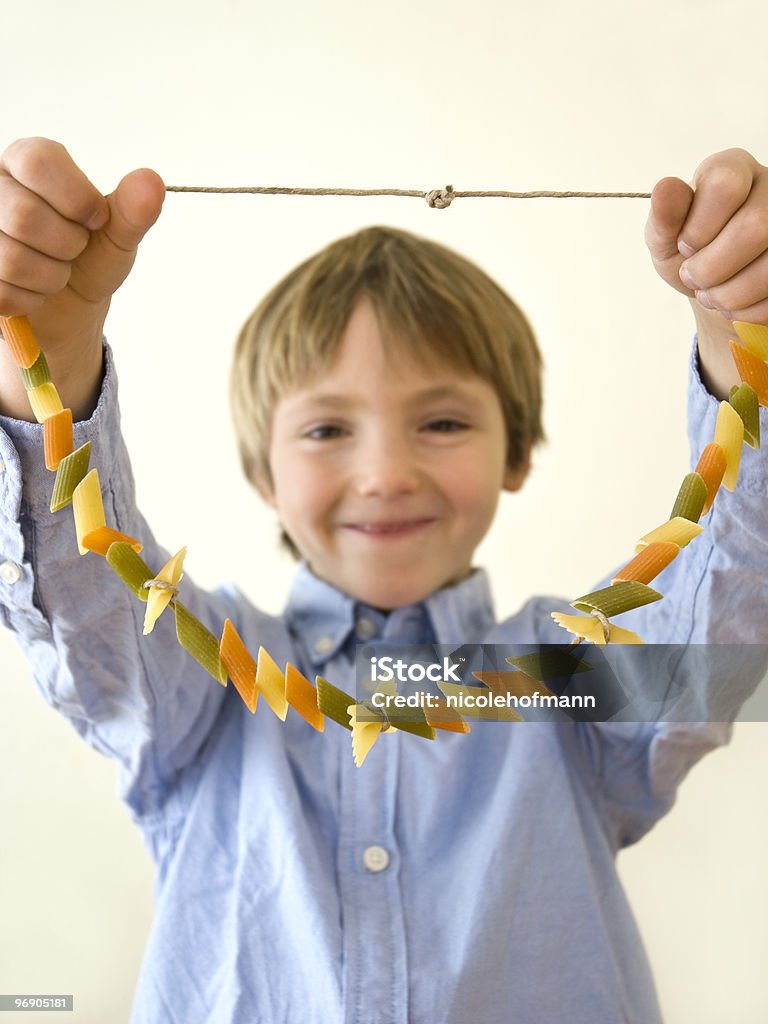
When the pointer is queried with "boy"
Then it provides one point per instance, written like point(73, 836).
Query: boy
point(472, 878)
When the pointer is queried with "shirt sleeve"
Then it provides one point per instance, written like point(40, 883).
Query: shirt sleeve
point(715, 603)
point(140, 700)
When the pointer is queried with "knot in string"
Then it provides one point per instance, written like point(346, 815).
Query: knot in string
point(440, 198)
point(378, 713)
point(161, 585)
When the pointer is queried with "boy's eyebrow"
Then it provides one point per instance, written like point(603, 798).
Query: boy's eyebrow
point(431, 394)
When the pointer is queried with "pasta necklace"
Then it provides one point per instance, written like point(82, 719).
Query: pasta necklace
point(227, 657)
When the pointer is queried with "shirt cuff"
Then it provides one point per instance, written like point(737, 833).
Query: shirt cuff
point(24, 479)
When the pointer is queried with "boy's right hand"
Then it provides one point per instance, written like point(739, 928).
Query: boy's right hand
point(64, 250)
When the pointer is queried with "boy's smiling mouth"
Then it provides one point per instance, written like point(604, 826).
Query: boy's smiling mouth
point(390, 527)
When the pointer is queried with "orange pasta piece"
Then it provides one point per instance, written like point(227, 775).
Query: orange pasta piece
point(711, 467)
point(649, 563)
point(239, 664)
point(98, 540)
point(752, 370)
point(57, 438)
point(442, 717)
point(302, 696)
point(18, 332)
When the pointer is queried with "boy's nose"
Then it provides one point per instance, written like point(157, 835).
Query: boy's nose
point(386, 470)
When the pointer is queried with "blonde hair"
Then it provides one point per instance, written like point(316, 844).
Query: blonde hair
point(425, 296)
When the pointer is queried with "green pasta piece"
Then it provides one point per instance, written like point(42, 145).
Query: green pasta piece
point(130, 567)
point(199, 641)
point(621, 597)
point(72, 469)
point(743, 398)
point(37, 374)
point(403, 718)
point(549, 663)
point(689, 503)
point(333, 702)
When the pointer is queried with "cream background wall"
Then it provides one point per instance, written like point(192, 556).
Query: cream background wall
point(596, 96)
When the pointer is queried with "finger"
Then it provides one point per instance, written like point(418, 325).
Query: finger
point(670, 202)
point(28, 269)
point(134, 207)
point(16, 301)
point(31, 221)
point(721, 186)
point(743, 239)
point(744, 290)
point(46, 168)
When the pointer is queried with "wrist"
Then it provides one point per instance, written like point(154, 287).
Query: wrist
point(718, 370)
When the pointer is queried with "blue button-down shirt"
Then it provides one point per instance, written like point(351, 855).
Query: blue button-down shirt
point(470, 878)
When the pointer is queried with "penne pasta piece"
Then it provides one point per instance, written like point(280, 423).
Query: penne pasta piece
point(239, 664)
point(689, 503)
point(199, 642)
point(464, 698)
point(302, 697)
point(678, 530)
point(550, 662)
point(160, 596)
point(754, 337)
point(729, 434)
point(271, 682)
point(87, 508)
point(440, 716)
point(752, 370)
point(71, 471)
point(618, 598)
point(515, 684)
point(57, 438)
point(37, 374)
point(744, 400)
point(589, 628)
point(45, 402)
point(99, 540)
point(131, 569)
point(21, 340)
point(646, 565)
point(333, 702)
point(710, 468)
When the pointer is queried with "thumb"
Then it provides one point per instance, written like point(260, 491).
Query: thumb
point(128, 213)
point(671, 200)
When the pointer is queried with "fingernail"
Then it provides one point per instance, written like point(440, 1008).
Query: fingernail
point(684, 249)
point(686, 278)
point(704, 300)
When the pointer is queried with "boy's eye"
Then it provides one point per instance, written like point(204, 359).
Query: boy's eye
point(446, 426)
point(324, 432)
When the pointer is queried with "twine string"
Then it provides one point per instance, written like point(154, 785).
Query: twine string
point(436, 199)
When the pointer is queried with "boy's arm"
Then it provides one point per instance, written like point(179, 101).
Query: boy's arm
point(140, 700)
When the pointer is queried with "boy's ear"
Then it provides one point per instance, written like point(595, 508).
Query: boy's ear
point(515, 476)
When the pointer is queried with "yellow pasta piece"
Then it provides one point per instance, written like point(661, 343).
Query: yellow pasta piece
point(753, 336)
point(365, 733)
point(591, 629)
point(271, 683)
point(87, 508)
point(729, 434)
point(160, 597)
point(517, 684)
point(679, 531)
point(45, 402)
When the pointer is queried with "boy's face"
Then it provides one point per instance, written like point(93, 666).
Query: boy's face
point(386, 475)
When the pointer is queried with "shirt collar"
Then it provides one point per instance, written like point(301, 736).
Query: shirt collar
point(325, 617)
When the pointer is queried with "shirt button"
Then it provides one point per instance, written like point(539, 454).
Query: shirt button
point(366, 628)
point(323, 645)
point(10, 572)
point(375, 858)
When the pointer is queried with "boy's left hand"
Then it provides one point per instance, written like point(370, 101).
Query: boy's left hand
point(709, 240)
